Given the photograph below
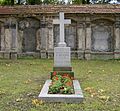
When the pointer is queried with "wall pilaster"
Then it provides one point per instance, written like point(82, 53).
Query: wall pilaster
point(117, 39)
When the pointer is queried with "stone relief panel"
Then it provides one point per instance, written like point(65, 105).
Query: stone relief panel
point(70, 36)
point(56, 34)
point(44, 38)
point(102, 38)
point(28, 28)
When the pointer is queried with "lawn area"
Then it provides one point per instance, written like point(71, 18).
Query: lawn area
point(22, 80)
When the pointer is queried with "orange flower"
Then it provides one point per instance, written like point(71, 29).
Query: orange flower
point(56, 78)
point(54, 73)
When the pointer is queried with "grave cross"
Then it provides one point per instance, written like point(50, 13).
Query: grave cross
point(61, 21)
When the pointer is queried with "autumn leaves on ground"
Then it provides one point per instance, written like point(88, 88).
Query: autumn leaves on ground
point(22, 80)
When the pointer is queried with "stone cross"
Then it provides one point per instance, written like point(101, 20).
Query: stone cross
point(61, 21)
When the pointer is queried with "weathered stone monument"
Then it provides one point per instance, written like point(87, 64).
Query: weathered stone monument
point(62, 63)
point(62, 53)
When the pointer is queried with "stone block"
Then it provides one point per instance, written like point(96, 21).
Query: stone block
point(80, 54)
point(50, 54)
point(36, 55)
point(87, 55)
point(7, 55)
point(73, 54)
point(13, 55)
point(77, 97)
point(62, 57)
point(117, 54)
point(43, 54)
point(102, 55)
point(1, 55)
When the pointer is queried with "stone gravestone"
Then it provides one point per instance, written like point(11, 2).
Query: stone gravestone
point(62, 63)
point(62, 53)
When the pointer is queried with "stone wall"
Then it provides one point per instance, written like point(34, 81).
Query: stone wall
point(90, 36)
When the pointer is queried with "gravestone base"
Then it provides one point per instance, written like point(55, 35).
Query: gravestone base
point(62, 68)
point(77, 97)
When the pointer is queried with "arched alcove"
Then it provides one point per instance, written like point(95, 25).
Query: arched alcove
point(29, 26)
point(70, 35)
point(102, 36)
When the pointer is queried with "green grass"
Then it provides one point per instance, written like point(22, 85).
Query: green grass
point(22, 80)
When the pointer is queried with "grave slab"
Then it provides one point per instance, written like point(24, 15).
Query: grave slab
point(77, 97)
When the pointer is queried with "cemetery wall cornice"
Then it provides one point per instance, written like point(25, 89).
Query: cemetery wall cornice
point(49, 9)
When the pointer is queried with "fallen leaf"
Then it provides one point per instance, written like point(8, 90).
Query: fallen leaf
point(2, 92)
point(37, 102)
point(8, 65)
point(105, 98)
point(101, 90)
point(28, 81)
point(91, 91)
point(18, 99)
point(94, 94)
point(103, 70)
point(90, 71)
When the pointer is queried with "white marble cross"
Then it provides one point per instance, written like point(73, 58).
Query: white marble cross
point(61, 21)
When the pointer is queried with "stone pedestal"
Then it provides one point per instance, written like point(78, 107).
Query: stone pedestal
point(80, 54)
point(7, 55)
point(50, 53)
point(62, 57)
point(1, 54)
point(117, 54)
point(43, 54)
point(87, 54)
point(13, 55)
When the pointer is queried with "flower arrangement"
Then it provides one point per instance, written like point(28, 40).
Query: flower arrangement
point(61, 84)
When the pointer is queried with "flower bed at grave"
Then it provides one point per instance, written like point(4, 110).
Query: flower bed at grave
point(61, 84)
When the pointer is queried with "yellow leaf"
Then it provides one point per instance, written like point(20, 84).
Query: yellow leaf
point(27, 81)
point(90, 71)
point(37, 102)
point(2, 92)
point(106, 98)
point(101, 90)
point(19, 99)
point(8, 65)
point(103, 70)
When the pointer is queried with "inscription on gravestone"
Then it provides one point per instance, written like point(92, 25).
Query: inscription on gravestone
point(62, 57)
